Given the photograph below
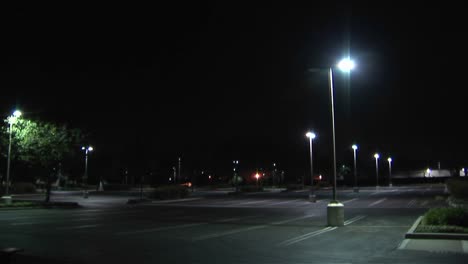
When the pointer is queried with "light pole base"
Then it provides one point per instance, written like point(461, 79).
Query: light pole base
point(335, 214)
point(356, 189)
point(85, 194)
point(312, 198)
point(7, 199)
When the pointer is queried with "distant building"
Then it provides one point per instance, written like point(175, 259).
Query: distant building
point(427, 173)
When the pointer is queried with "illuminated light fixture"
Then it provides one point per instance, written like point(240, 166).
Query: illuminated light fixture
point(311, 135)
point(346, 65)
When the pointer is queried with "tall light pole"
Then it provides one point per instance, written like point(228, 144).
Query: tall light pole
point(180, 164)
point(376, 156)
point(311, 136)
point(85, 176)
point(355, 147)
point(235, 178)
point(11, 121)
point(335, 210)
point(389, 171)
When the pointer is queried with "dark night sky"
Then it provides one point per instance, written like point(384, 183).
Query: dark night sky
point(216, 82)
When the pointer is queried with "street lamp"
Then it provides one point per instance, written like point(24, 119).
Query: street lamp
point(335, 209)
point(376, 156)
point(345, 65)
point(389, 171)
point(235, 178)
point(256, 177)
point(11, 121)
point(311, 136)
point(355, 147)
point(85, 176)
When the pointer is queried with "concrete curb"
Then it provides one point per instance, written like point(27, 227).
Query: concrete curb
point(413, 235)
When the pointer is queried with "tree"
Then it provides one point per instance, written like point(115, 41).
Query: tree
point(43, 144)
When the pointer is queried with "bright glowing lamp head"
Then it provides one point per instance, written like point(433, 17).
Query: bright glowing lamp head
point(354, 147)
point(17, 113)
point(346, 65)
point(90, 148)
point(428, 170)
point(257, 176)
point(376, 155)
point(389, 160)
point(310, 135)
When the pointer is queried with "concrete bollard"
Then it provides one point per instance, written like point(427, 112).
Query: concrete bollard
point(7, 199)
point(335, 214)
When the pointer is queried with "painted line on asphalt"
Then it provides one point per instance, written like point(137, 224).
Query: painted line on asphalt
point(26, 223)
point(239, 230)
point(377, 202)
point(284, 202)
point(348, 201)
point(253, 202)
point(160, 229)
point(300, 238)
point(76, 227)
point(83, 219)
point(354, 219)
point(15, 218)
point(177, 201)
point(411, 203)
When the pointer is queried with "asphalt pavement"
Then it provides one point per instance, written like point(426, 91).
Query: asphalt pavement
point(215, 227)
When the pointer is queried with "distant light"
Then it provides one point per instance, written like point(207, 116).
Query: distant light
point(310, 135)
point(376, 155)
point(257, 175)
point(389, 159)
point(274, 164)
point(17, 113)
point(354, 147)
point(346, 65)
point(89, 148)
point(428, 170)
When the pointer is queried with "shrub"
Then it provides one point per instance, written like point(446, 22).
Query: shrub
point(170, 192)
point(23, 187)
point(458, 188)
point(446, 216)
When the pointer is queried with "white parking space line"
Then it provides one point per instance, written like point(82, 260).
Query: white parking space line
point(377, 202)
point(411, 203)
point(239, 230)
point(76, 227)
point(253, 202)
point(354, 219)
point(348, 201)
point(26, 223)
point(285, 202)
point(83, 219)
point(300, 238)
point(177, 201)
point(164, 228)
